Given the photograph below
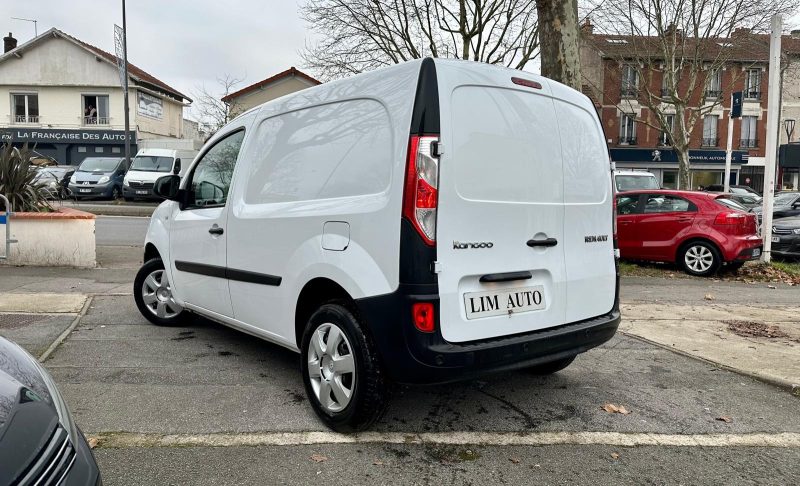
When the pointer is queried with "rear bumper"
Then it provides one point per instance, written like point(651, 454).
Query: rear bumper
point(744, 248)
point(414, 357)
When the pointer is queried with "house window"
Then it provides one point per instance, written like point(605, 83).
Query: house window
point(627, 129)
point(664, 138)
point(748, 137)
point(95, 110)
point(25, 108)
point(714, 88)
point(710, 123)
point(752, 84)
point(630, 82)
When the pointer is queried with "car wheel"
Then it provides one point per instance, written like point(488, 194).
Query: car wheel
point(700, 258)
point(341, 371)
point(153, 295)
point(551, 367)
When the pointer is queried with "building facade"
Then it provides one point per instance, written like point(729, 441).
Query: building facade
point(273, 87)
point(634, 142)
point(64, 98)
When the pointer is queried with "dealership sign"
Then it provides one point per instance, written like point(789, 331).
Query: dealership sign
point(49, 135)
point(669, 156)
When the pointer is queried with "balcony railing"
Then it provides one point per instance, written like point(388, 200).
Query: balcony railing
point(627, 141)
point(752, 95)
point(748, 143)
point(629, 92)
point(26, 119)
point(713, 94)
point(96, 120)
point(710, 142)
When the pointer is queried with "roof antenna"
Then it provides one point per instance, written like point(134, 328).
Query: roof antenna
point(35, 25)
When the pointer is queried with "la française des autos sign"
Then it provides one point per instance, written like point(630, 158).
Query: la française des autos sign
point(54, 135)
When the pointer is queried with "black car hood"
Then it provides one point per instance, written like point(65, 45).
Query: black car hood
point(788, 223)
point(20, 380)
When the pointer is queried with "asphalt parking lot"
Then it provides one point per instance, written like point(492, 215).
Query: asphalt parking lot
point(203, 404)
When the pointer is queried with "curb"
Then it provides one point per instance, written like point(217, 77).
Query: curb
point(784, 384)
point(115, 210)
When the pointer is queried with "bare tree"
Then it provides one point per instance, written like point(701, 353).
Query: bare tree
point(361, 35)
point(210, 110)
point(559, 33)
point(670, 51)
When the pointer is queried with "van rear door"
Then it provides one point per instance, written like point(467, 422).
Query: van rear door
point(500, 222)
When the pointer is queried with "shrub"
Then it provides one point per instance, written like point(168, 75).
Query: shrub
point(17, 181)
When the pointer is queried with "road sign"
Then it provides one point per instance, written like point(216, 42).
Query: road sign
point(736, 105)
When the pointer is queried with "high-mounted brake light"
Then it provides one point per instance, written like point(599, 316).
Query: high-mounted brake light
point(421, 192)
point(526, 82)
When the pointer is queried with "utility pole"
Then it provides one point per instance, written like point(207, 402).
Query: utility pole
point(772, 134)
point(125, 88)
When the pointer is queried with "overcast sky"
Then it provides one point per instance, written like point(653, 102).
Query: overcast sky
point(185, 43)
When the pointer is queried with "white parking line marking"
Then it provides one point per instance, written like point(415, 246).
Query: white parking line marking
point(127, 440)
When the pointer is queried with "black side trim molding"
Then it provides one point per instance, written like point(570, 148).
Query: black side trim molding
point(228, 273)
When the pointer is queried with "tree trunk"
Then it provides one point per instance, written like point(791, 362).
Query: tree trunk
point(680, 144)
point(683, 169)
point(558, 40)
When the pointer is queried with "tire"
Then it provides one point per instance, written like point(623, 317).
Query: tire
point(367, 398)
point(700, 258)
point(153, 296)
point(551, 367)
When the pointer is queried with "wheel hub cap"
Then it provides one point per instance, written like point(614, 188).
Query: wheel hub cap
point(157, 295)
point(331, 367)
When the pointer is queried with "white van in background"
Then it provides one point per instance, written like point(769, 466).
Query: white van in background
point(410, 224)
point(635, 180)
point(148, 165)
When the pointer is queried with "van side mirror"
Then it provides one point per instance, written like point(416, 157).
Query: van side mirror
point(167, 187)
point(177, 168)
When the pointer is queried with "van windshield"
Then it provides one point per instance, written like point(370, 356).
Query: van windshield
point(99, 164)
point(635, 182)
point(152, 163)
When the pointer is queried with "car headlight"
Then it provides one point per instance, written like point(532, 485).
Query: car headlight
point(53, 184)
point(796, 231)
point(73, 179)
point(58, 401)
point(126, 183)
point(103, 180)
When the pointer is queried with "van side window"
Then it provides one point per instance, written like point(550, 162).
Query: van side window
point(211, 178)
point(322, 152)
point(665, 203)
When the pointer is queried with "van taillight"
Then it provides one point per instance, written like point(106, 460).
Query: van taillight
point(422, 313)
point(421, 192)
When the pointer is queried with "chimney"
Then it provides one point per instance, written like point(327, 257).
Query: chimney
point(587, 28)
point(9, 43)
point(672, 30)
point(740, 31)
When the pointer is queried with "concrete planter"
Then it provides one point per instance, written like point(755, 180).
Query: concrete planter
point(64, 238)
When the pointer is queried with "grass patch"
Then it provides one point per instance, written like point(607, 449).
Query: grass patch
point(751, 272)
point(790, 268)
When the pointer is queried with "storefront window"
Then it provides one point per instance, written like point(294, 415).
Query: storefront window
point(669, 179)
point(701, 179)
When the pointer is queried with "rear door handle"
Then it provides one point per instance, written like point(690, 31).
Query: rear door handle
point(505, 277)
point(216, 230)
point(544, 242)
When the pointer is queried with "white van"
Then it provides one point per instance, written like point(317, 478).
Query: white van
point(635, 180)
point(422, 223)
point(148, 165)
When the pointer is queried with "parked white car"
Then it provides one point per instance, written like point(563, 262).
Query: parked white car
point(148, 165)
point(426, 222)
point(635, 180)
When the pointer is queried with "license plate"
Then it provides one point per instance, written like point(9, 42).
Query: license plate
point(757, 251)
point(504, 302)
point(776, 239)
point(141, 192)
point(85, 190)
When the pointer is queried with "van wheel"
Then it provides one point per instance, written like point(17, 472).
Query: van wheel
point(153, 295)
point(700, 259)
point(341, 371)
point(551, 367)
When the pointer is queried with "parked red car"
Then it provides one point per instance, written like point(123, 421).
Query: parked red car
point(696, 230)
